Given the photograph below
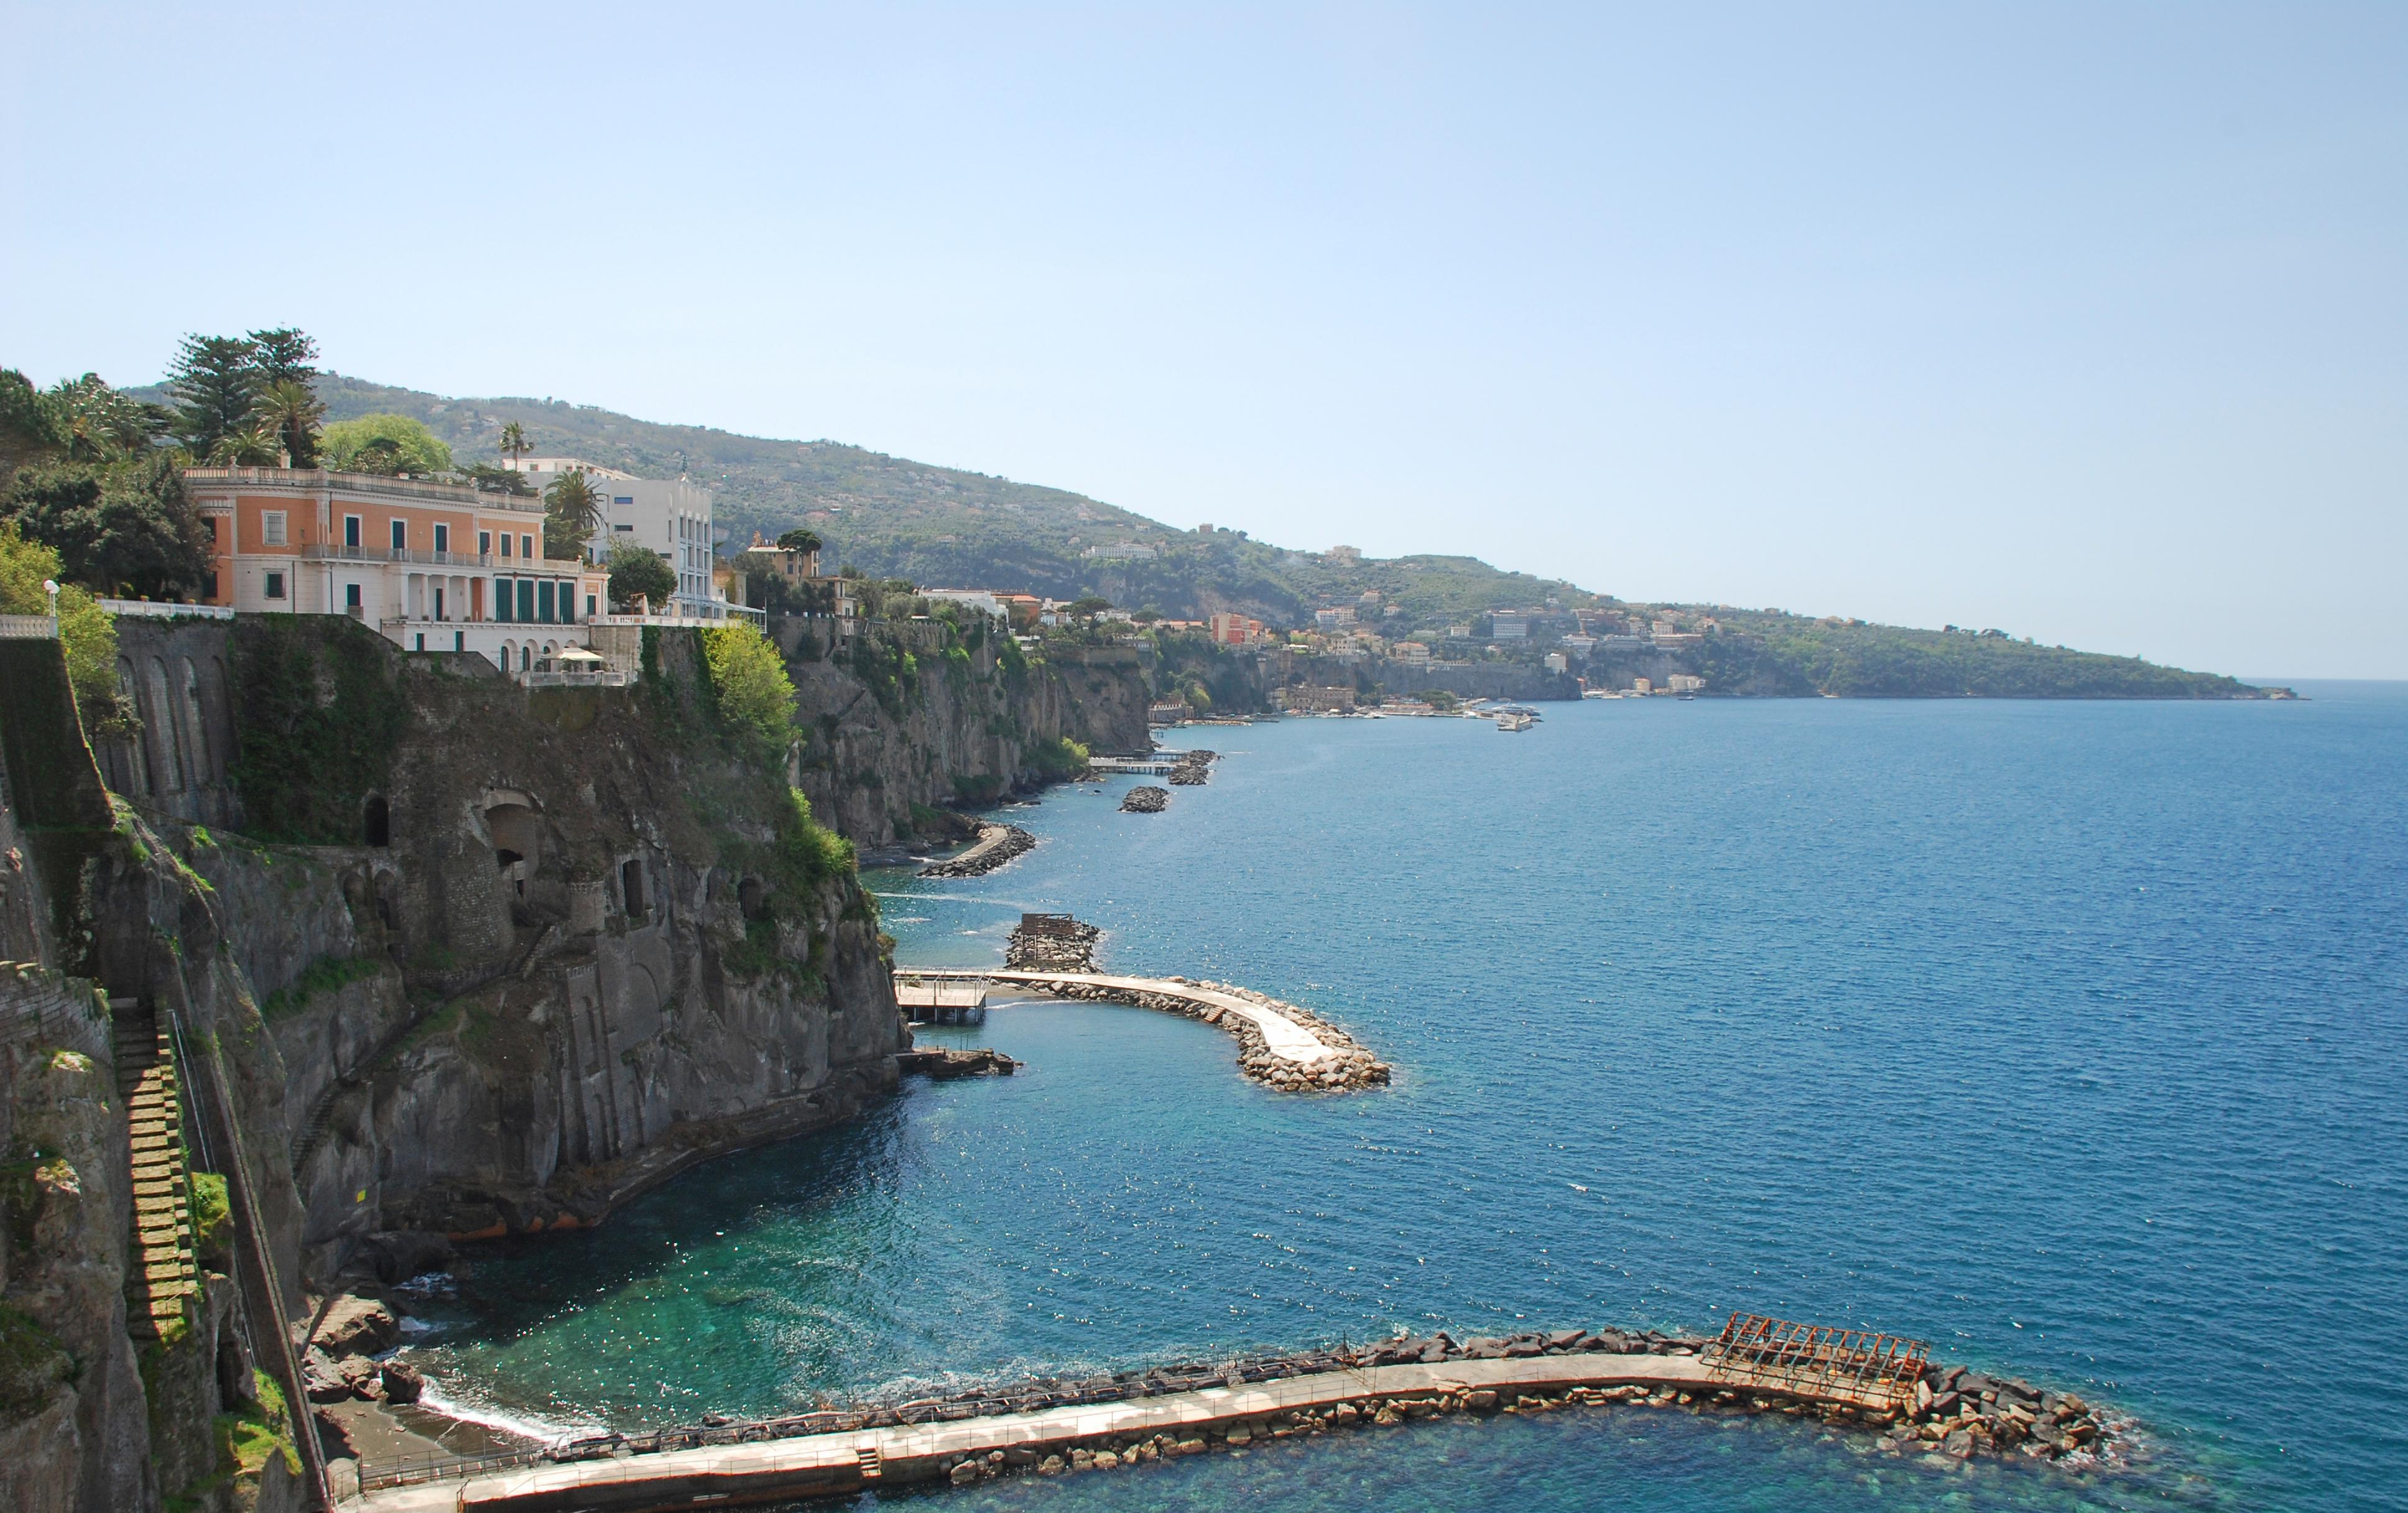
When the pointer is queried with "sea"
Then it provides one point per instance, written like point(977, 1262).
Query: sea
point(2071, 1039)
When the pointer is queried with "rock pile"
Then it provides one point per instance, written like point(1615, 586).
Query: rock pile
point(944, 1065)
point(1051, 943)
point(1193, 768)
point(1962, 1413)
point(1145, 800)
point(996, 845)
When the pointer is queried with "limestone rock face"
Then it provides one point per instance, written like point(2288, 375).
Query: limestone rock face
point(885, 741)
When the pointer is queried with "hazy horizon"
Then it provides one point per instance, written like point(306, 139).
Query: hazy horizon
point(2082, 322)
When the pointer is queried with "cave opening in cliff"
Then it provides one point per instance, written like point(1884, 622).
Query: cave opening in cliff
point(517, 831)
point(631, 886)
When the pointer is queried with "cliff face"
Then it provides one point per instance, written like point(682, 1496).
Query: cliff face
point(921, 713)
point(102, 1410)
point(448, 958)
point(523, 953)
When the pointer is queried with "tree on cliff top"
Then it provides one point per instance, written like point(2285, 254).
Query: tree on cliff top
point(639, 570)
point(87, 633)
point(749, 681)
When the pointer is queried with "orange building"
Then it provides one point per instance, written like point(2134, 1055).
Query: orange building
point(433, 566)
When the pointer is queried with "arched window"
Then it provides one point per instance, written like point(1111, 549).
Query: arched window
point(526, 657)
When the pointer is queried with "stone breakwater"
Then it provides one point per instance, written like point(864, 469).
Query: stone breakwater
point(1145, 799)
point(1193, 768)
point(1056, 1426)
point(996, 844)
point(1280, 1044)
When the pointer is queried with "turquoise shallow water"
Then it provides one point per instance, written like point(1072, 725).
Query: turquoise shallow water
point(2067, 1037)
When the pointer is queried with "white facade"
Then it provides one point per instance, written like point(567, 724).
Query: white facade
point(668, 516)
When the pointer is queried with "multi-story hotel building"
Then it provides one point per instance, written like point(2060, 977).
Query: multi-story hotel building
point(433, 566)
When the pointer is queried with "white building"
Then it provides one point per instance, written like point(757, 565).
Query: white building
point(1508, 625)
point(981, 600)
point(668, 516)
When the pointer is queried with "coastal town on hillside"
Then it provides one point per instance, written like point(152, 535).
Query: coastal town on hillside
point(462, 566)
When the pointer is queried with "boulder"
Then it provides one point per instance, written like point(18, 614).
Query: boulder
point(322, 1379)
point(402, 1382)
point(355, 1325)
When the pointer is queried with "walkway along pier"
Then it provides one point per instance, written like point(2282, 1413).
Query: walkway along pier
point(1286, 1046)
point(1876, 1384)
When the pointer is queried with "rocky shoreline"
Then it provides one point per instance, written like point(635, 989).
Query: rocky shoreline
point(996, 844)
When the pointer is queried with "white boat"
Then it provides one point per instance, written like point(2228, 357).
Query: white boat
point(1515, 720)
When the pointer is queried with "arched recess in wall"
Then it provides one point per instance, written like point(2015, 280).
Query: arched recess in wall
point(631, 885)
point(159, 716)
point(196, 726)
point(375, 820)
point(137, 747)
point(516, 826)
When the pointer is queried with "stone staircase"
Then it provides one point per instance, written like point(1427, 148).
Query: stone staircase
point(162, 1280)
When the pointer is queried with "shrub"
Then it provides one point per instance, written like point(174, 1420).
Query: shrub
point(1059, 758)
point(749, 681)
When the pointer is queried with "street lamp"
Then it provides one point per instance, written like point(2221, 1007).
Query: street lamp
point(51, 587)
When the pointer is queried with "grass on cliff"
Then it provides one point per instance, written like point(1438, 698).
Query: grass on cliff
point(212, 1222)
point(1059, 759)
point(33, 1366)
point(327, 974)
point(247, 1440)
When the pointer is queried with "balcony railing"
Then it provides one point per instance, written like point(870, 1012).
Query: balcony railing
point(482, 561)
point(313, 479)
point(158, 609)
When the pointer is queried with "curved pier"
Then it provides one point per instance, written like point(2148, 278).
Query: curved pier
point(1860, 1382)
point(1287, 1047)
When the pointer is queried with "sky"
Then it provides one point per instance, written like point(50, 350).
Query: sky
point(2085, 321)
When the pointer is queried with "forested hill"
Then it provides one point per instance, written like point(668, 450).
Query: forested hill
point(941, 526)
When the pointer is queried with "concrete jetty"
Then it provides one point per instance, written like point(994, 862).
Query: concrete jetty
point(1285, 1046)
point(1874, 1384)
point(816, 1465)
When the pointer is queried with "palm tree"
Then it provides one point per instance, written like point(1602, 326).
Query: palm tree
point(573, 509)
point(289, 409)
point(514, 441)
point(259, 446)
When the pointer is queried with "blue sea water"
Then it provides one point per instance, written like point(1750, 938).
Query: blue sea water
point(2066, 1037)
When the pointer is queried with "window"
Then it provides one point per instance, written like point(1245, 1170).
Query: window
point(622, 527)
point(276, 585)
point(442, 537)
point(271, 527)
point(422, 641)
point(401, 535)
point(209, 582)
point(502, 603)
point(526, 546)
point(506, 543)
point(526, 657)
point(351, 533)
point(589, 607)
point(526, 599)
point(484, 543)
point(213, 532)
point(543, 593)
point(352, 596)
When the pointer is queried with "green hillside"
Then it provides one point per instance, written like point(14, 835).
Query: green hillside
point(943, 527)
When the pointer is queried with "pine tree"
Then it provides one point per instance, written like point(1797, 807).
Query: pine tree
point(215, 380)
point(283, 355)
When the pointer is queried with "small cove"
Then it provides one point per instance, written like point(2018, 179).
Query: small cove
point(2052, 1034)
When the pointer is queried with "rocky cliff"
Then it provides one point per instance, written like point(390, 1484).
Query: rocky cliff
point(930, 714)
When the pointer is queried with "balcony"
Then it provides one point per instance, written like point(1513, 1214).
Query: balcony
point(477, 560)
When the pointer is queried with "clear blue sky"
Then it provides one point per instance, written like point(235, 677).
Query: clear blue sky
point(2088, 321)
